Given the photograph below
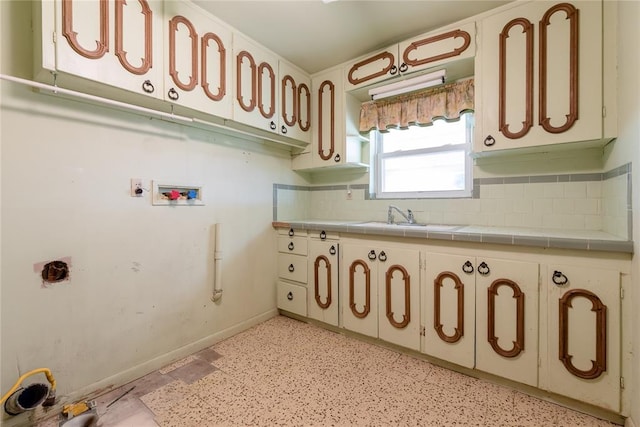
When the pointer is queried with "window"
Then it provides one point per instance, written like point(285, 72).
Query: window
point(424, 162)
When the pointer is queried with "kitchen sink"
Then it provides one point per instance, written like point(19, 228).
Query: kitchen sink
point(428, 227)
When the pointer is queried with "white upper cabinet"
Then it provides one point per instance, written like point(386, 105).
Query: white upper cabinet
point(539, 75)
point(118, 43)
point(425, 51)
point(295, 103)
point(256, 100)
point(197, 62)
point(335, 140)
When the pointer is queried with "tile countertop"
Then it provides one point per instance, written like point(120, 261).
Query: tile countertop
point(558, 239)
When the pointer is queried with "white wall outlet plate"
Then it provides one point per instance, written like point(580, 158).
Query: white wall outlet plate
point(136, 187)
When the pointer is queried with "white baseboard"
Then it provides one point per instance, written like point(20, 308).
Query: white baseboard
point(124, 377)
point(629, 423)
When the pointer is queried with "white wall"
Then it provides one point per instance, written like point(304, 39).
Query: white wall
point(141, 275)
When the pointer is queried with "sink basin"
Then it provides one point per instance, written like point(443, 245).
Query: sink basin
point(428, 227)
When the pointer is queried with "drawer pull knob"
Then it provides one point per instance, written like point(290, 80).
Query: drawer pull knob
point(173, 94)
point(290, 296)
point(290, 246)
point(489, 141)
point(467, 267)
point(559, 278)
point(291, 233)
point(291, 268)
point(483, 268)
point(323, 235)
point(147, 86)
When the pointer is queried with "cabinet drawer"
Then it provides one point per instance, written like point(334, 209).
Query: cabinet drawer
point(292, 267)
point(291, 232)
point(292, 298)
point(323, 235)
point(292, 245)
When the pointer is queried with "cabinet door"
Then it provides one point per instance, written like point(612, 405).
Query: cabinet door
point(584, 334)
point(541, 76)
point(449, 307)
point(360, 289)
point(437, 48)
point(198, 68)
point(507, 319)
point(295, 103)
point(328, 119)
point(372, 68)
point(322, 295)
point(119, 44)
point(256, 101)
point(399, 297)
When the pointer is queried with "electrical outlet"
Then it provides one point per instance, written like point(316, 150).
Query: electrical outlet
point(136, 187)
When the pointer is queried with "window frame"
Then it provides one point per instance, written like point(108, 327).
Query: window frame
point(379, 156)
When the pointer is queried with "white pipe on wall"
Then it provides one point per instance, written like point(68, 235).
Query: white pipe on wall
point(217, 270)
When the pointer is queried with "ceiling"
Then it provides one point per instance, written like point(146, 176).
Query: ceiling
point(315, 35)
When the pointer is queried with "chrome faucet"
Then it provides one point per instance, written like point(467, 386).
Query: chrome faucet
point(408, 217)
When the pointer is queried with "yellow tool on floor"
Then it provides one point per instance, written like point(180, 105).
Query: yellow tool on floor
point(75, 409)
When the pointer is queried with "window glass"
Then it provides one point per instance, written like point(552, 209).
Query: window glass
point(423, 162)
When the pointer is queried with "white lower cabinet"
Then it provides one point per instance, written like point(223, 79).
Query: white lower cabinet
point(380, 292)
point(482, 313)
point(507, 319)
point(322, 295)
point(584, 334)
point(292, 271)
point(449, 298)
point(292, 298)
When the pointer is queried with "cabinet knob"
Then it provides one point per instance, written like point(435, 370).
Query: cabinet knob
point(337, 158)
point(467, 267)
point(323, 235)
point(291, 268)
point(272, 125)
point(559, 279)
point(382, 257)
point(372, 255)
point(483, 268)
point(173, 94)
point(489, 141)
point(393, 70)
point(147, 86)
point(332, 250)
point(290, 296)
point(290, 246)
point(403, 67)
point(283, 129)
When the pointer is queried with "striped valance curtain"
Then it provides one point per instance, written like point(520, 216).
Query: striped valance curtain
point(418, 108)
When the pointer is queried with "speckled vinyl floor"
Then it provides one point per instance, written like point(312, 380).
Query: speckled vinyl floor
point(289, 373)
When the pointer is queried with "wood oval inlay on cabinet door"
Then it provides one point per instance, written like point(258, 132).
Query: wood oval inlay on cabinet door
point(572, 91)
point(458, 286)
point(316, 281)
point(599, 366)
point(102, 45)
point(147, 60)
point(518, 295)
point(222, 63)
point(406, 317)
point(527, 122)
point(367, 283)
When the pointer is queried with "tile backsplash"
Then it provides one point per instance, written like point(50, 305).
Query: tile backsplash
point(593, 201)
